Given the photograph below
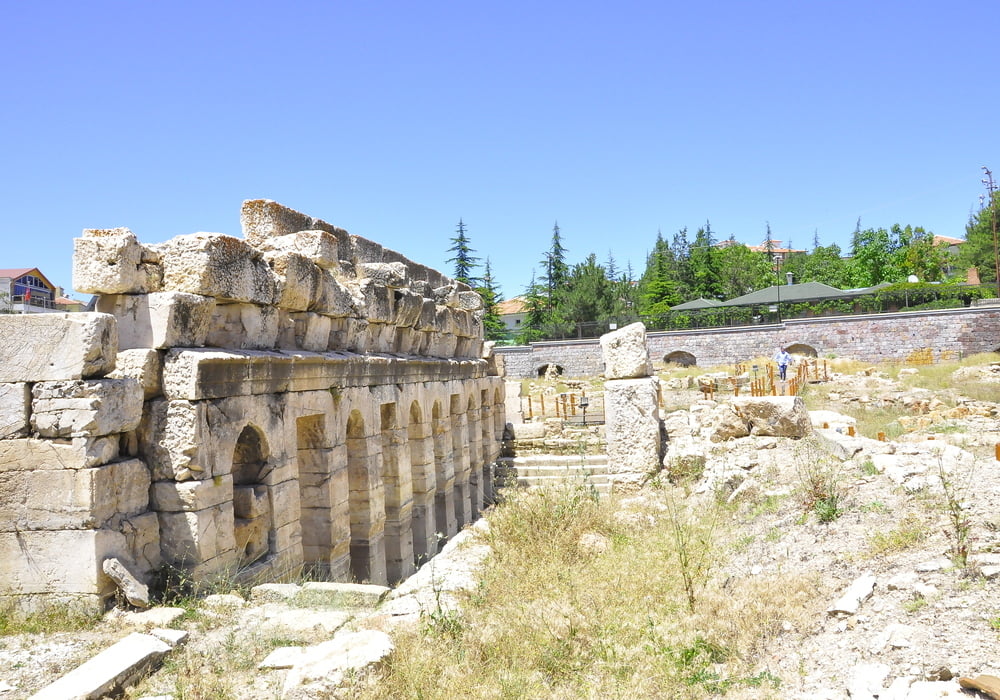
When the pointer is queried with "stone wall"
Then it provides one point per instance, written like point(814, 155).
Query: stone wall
point(927, 335)
point(248, 408)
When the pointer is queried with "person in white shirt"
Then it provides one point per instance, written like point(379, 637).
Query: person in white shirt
point(783, 359)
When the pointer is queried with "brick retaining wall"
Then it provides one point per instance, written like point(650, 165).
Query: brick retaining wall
point(935, 335)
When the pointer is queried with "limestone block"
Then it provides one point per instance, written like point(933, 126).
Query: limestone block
point(171, 438)
point(144, 365)
point(243, 326)
point(284, 502)
point(134, 590)
point(112, 261)
point(441, 345)
point(384, 274)
point(86, 407)
point(203, 373)
point(121, 665)
point(250, 501)
point(30, 454)
point(50, 347)
point(361, 250)
point(407, 308)
point(264, 219)
point(470, 301)
point(427, 321)
point(462, 322)
point(625, 353)
point(216, 265)
point(312, 331)
point(447, 295)
point(444, 319)
point(15, 408)
point(160, 319)
point(633, 425)
point(298, 277)
point(58, 499)
point(192, 537)
point(778, 416)
point(318, 246)
point(377, 302)
point(333, 298)
point(176, 496)
point(69, 561)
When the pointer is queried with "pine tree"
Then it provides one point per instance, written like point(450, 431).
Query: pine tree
point(464, 260)
point(556, 269)
point(493, 326)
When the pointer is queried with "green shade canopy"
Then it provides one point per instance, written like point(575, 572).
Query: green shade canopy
point(699, 303)
point(787, 293)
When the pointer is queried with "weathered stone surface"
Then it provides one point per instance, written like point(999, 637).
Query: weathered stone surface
point(318, 245)
point(470, 301)
point(54, 499)
point(198, 536)
point(134, 590)
point(298, 278)
point(112, 261)
point(625, 353)
point(333, 298)
point(177, 496)
point(29, 454)
point(725, 423)
point(106, 675)
point(265, 219)
point(633, 425)
point(385, 274)
point(248, 326)
point(325, 664)
point(778, 416)
point(216, 265)
point(15, 408)
point(160, 319)
point(52, 347)
point(87, 407)
point(144, 365)
point(858, 592)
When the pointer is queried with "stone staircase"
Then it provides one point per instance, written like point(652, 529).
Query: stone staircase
point(547, 469)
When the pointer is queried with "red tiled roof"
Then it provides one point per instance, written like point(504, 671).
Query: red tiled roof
point(511, 306)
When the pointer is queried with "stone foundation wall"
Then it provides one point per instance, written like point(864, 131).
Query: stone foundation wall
point(927, 335)
point(298, 398)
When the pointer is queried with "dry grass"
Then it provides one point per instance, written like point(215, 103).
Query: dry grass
point(558, 617)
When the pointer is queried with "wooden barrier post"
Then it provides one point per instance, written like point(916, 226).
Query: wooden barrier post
point(541, 402)
point(530, 413)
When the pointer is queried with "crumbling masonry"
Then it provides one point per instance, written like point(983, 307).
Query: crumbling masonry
point(296, 399)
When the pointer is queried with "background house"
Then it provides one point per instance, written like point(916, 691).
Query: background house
point(27, 290)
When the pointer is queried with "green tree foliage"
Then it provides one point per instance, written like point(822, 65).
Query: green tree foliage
point(978, 251)
point(464, 260)
point(556, 269)
point(742, 270)
point(536, 313)
point(704, 265)
point(589, 294)
point(493, 326)
point(659, 288)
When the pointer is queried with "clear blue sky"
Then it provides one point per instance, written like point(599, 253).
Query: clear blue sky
point(395, 119)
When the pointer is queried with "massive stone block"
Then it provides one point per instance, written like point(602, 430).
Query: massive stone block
point(112, 261)
point(633, 425)
point(265, 219)
point(298, 278)
point(52, 347)
point(216, 265)
point(144, 365)
point(73, 499)
point(160, 319)
point(15, 408)
point(86, 408)
point(79, 453)
point(625, 353)
point(247, 326)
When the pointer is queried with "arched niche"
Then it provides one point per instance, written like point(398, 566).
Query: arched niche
point(801, 349)
point(680, 357)
point(253, 520)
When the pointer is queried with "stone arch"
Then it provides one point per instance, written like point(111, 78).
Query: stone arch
point(547, 367)
point(366, 502)
point(801, 349)
point(419, 439)
point(253, 524)
point(398, 483)
point(444, 475)
point(680, 357)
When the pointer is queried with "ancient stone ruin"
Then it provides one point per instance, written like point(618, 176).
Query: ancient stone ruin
point(298, 399)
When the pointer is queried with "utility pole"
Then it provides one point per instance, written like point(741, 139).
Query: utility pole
point(991, 188)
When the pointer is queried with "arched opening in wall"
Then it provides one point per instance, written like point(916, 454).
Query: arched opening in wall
point(549, 370)
point(316, 497)
point(679, 357)
point(460, 458)
point(253, 521)
point(424, 485)
point(398, 497)
point(444, 476)
point(366, 504)
point(801, 349)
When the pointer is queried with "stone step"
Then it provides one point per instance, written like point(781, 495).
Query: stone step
point(550, 460)
point(557, 470)
point(544, 470)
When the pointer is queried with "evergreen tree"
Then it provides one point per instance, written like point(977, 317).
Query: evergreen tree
point(742, 270)
point(556, 269)
point(464, 260)
point(536, 312)
point(978, 251)
point(493, 326)
point(704, 264)
point(658, 288)
point(588, 295)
